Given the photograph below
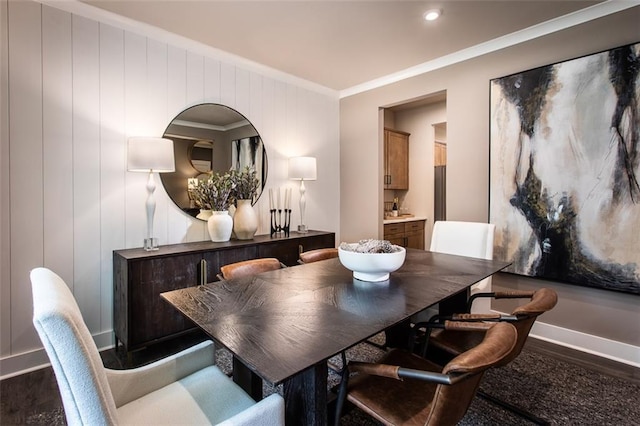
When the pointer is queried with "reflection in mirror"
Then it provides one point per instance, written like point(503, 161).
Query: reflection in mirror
point(201, 155)
point(210, 138)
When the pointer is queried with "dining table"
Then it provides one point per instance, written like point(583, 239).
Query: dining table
point(282, 326)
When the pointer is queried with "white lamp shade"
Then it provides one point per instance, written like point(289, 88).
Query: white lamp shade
point(150, 154)
point(302, 168)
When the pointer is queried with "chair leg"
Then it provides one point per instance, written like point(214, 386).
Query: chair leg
point(510, 407)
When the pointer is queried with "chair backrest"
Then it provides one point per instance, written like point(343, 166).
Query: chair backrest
point(74, 356)
point(542, 300)
point(249, 267)
point(471, 239)
point(451, 402)
point(318, 254)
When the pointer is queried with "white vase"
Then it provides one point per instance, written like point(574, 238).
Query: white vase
point(245, 220)
point(220, 226)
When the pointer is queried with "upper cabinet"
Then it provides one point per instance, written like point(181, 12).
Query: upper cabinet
point(396, 159)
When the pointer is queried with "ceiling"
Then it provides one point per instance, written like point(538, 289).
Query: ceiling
point(341, 44)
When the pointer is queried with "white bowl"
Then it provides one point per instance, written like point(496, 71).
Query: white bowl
point(373, 267)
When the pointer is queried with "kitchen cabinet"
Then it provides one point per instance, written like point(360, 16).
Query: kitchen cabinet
point(396, 159)
point(409, 234)
point(141, 317)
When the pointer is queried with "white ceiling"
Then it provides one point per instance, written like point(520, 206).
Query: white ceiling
point(343, 44)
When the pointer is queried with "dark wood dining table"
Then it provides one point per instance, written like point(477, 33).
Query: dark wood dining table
point(282, 326)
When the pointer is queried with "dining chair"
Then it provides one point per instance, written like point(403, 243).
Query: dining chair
point(318, 254)
point(185, 388)
point(406, 389)
point(249, 267)
point(471, 239)
point(446, 344)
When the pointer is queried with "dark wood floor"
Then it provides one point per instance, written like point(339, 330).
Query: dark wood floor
point(24, 396)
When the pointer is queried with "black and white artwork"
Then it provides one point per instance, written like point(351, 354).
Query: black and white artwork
point(565, 166)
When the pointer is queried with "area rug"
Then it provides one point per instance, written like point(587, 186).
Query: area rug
point(558, 392)
point(562, 393)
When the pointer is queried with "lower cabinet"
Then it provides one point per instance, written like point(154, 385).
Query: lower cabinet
point(141, 317)
point(408, 234)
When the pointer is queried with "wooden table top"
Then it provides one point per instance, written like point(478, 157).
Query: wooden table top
point(281, 322)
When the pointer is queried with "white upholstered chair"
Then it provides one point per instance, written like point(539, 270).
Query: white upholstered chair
point(472, 239)
point(185, 388)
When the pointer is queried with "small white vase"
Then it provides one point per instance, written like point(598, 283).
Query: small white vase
point(245, 220)
point(220, 226)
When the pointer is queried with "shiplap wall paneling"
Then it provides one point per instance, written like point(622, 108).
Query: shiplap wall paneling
point(57, 120)
point(113, 162)
point(266, 130)
point(243, 93)
point(228, 85)
point(212, 80)
point(291, 123)
point(25, 139)
point(195, 79)
point(180, 227)
point(195, 94)
point(5, 224)
point(255, 111)
point(278, 166)
point(135, 92)
point(86, 168)
point(155, 110)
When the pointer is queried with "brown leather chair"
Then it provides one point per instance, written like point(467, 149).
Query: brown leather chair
point(445, 344)
point(249, 267)
point(454, 342)
point(318, 254)
point(404, 388)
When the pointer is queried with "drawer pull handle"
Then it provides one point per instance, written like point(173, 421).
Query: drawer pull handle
point(203, 271)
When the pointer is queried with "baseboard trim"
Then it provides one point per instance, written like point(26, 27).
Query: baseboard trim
point(595, 345)
point(26, 362)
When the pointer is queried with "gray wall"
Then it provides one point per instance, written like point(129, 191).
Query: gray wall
point(598, 313)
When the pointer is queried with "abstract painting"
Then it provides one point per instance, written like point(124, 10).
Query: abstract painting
point(565, 170)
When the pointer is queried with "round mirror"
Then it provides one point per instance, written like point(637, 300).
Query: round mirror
point(210, 138)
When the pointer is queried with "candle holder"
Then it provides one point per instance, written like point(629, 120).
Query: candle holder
point(278, 226)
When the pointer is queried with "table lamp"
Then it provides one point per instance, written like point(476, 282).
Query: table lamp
point(150, 155)
point(302, 168)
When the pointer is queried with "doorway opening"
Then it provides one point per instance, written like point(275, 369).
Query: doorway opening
point(424, 119)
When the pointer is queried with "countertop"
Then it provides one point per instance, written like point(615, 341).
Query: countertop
point(398, 219)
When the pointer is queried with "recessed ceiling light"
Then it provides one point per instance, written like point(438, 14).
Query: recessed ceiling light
point(432, 14)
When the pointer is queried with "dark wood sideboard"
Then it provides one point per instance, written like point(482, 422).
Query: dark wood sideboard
point(141, 317)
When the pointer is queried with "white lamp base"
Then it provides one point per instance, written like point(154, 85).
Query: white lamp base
point(151, 244)
point(302, 229)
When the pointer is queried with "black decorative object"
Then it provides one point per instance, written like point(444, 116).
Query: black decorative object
point(277, 224)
